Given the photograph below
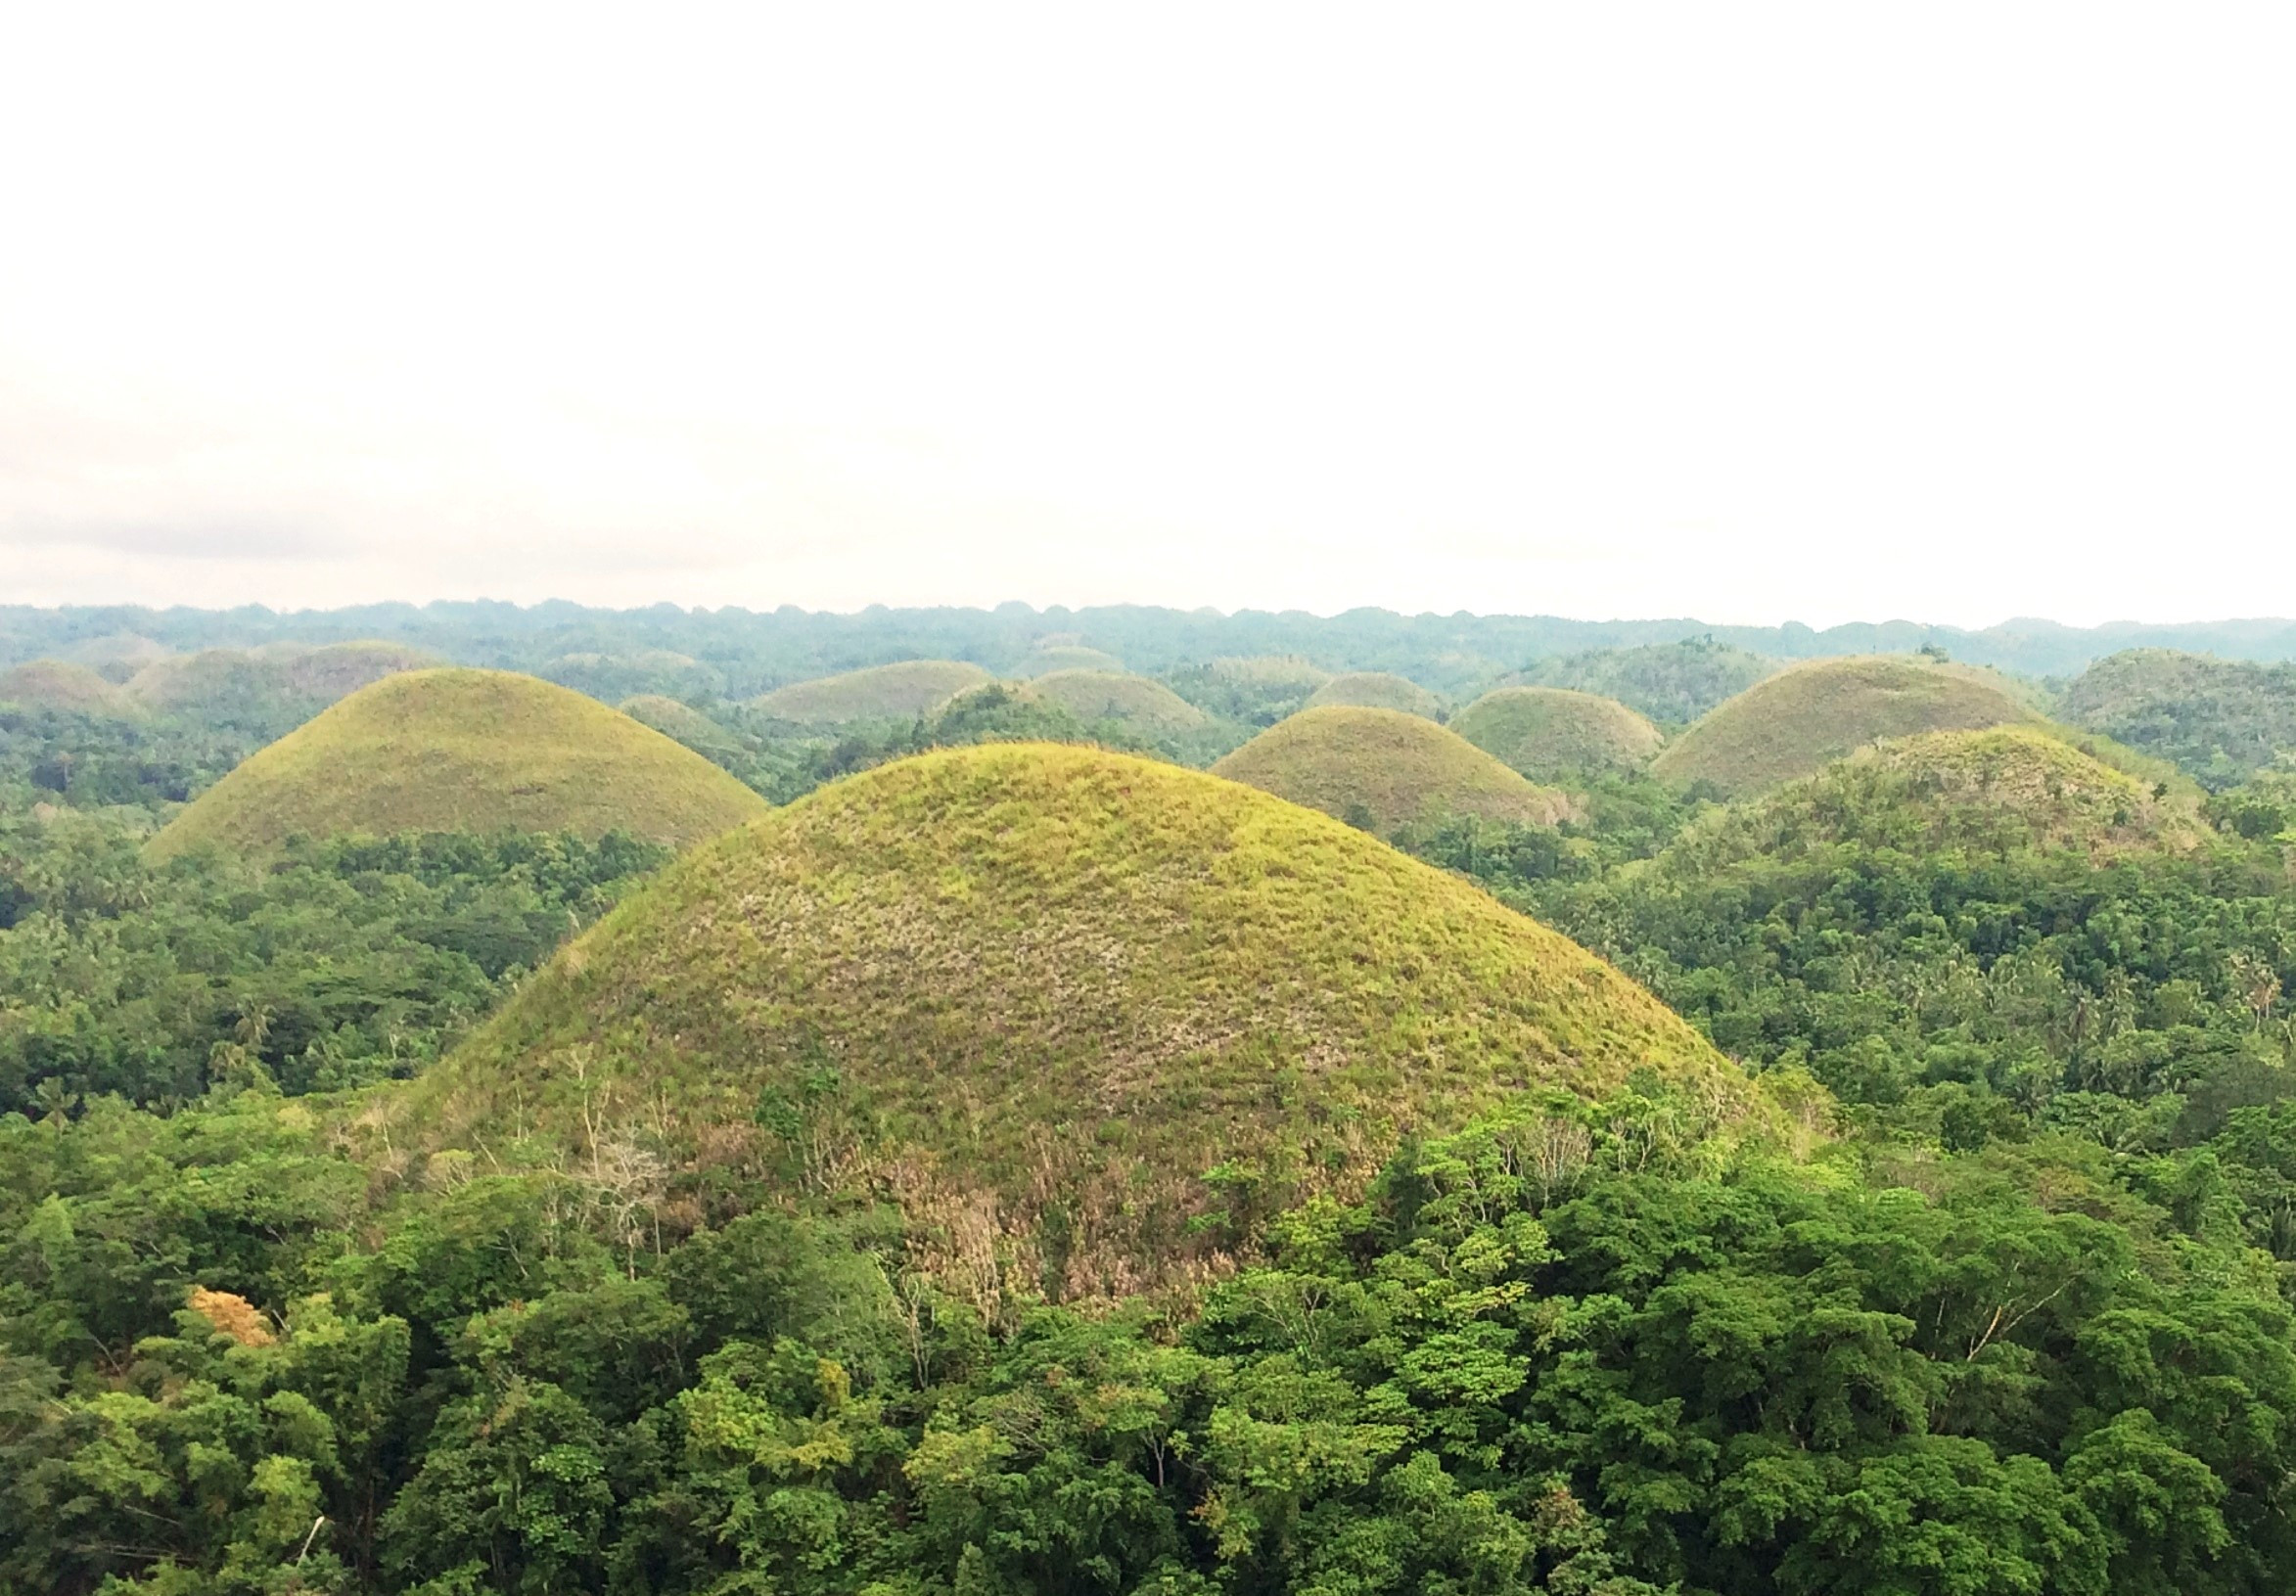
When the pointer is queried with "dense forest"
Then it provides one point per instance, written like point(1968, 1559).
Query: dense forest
point(1982, 1279)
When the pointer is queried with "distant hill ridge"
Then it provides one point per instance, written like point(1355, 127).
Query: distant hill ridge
point(757, 650)
point(2219, 721)
point(1036, 992)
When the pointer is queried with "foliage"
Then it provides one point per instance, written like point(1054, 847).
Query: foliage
point(2217, 720)
point(339, 962)
point(1671, 683)
point(1577, 1347)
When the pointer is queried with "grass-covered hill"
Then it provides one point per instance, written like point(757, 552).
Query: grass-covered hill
point(1799, 721)
point(1067, 657)
point(895, 692)
point(2217, 720)
point(464, 750)
point(1386, 769)
point(1376, 690)
point(1037, 993)
point(2000, 791)
point(1552, 732)
point(57, 684)
point(680, 722)
point(1148, 707)
point(1670, 682)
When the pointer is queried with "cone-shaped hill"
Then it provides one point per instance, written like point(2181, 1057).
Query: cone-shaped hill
point(896, 691)
point(1036, 991)
point(1799, 721)
point(1069, 656)
point(1376, 690)
point(1550, 732)
point(1994, 792)
point(680, 722)
point(1384, 768)
point(478, 750)
point(55, 684)
point(2220, 720)
point(1133, 702)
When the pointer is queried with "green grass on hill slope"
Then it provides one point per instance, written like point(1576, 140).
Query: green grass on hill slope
point(1069, 656)
point(55, 684)
point(468, 750)
point(2001, 791)
point(1549, 732)
point(1672, 682)
point(1799, 721)
point(680, 722)
point(1386, 769)
point(1147, 706)
point(895, 692)
point(1035, 993)
point(2217, 720)
point(1376, 690)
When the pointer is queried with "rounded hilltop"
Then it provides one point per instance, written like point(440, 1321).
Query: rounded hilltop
point(1133, 702)
point(1386, 769)
point(57, 684)
point(1800, 720)
point(2003, 790)
point(1043, 662)
point(902, 690)
point(1051, 988)
point(1376, 690)
point(456, 749)
point(1550, 732)
point(679, 722)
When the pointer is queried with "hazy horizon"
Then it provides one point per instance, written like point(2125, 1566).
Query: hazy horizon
point(1785, 312)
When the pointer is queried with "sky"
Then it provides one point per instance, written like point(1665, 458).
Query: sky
point(1749, 312)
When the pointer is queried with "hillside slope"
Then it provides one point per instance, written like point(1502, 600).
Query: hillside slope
point(1038, 992)
point(57, 684)
point(2217, 720)
point(1797, 722)
point(2003, 790)
point(455, 750)
point(1384, 768)
point(1376, 690)
point(1551, 732)
point(896, 692)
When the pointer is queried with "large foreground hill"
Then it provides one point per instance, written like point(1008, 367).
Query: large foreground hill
point(472, 751)
point(1043, 991)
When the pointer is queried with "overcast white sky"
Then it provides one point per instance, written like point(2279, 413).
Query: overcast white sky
point(1746, 311)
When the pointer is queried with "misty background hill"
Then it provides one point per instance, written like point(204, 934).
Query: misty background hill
point(739, 652)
